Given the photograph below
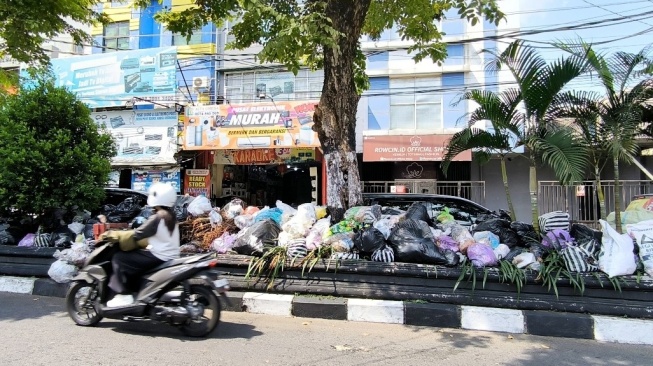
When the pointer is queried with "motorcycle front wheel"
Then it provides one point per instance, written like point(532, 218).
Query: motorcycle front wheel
point(206, 308)
point(79, 302)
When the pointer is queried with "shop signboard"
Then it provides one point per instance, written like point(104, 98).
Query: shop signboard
point(250, 126)
point(143, 179)
point(408, 148)
point(197, 182)
point(264, 156)
point(143, 138)
point(111, 79)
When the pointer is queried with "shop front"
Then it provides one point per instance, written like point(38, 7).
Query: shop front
point(411, 163)
point(262, 152)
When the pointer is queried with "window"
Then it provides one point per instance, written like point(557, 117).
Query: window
point(195, 38)
point(116, 37)
point(415, 103)
point(279, 85)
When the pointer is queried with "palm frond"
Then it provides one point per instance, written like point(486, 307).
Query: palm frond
point(562, 151)
point(474, 138)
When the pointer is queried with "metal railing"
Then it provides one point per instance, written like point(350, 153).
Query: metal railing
point(472, 190)
point(581, 201)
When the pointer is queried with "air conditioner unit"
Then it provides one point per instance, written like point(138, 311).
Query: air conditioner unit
point(200, 82)
point(261, 141)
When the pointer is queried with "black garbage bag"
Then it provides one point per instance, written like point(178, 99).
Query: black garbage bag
point(255, 239)
point(583, 234)
point(513, 253)
point(63, 237)
point(88, 231)
point(146, 212)
point(500, 228)
point(6, 238)
point(391, 211)
point(369, 240)
point(123, 212)
point(526, 233)
point(413, 242)
point(538, 250)
point(417, 211)
point(452, 258)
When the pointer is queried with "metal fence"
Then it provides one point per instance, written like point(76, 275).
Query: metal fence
point(472, 190)
point(581, 201)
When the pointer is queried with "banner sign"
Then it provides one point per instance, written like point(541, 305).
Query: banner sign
point(263, 156)
point(197, 182)
point(250, 126)
point(142, 137)
point(408, 148)
point(111, 79)
point(143, 179)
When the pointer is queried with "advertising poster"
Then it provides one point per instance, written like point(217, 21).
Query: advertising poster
point(408, 148)
point(147, 137)
point(111, 79)
point(197, 182)
point(263, 156)
point(250, 126)
point(143, 179)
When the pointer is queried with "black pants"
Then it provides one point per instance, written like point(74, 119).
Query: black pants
point(128, 266)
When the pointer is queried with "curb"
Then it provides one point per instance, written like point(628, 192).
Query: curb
point(540, 323)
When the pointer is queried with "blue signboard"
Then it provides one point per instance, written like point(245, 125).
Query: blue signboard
point(143, 179)
point(111, 79)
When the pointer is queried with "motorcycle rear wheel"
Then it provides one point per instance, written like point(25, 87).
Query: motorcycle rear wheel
point(210, 317)
point(80, 304)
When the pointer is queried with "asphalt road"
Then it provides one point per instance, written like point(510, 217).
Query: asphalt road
point(37, 331)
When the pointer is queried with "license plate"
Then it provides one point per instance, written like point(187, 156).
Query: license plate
point(221, 283)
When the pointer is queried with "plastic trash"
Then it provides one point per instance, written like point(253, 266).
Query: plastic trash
point(384, 254)
point(500, 228)
point(254, 239)
point(524, 260)
point(285, 208)
point(314, 237)
point(643, 234)
point(501, 251)
point(487, 238)
point(417, 211)
point(243, 221)
point(385, 225)
point(215, 218)
point(269, 214)
point(525, 232)
point(297, 248)
point(62, 271)
point(200, 206)
point(341, 242)
point(224, 243)
point(364, 214)
point(557, 239)
point(368, 241)
point(412, 242)
point(481, 255)
point(251, 210)
point(234, 208)
point(446, 242)
point(27, 241)
point(580, 258)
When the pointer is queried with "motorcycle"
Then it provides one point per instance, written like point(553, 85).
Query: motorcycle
point(181, 292)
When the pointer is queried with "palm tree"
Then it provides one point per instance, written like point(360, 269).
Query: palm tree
point(532, 121)
point(616, 117)
point(501, 111)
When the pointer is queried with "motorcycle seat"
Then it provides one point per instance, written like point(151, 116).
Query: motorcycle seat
point(166, 264)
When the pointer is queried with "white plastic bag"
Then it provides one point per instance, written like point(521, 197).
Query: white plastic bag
point(243, 221)
point(314, 237)
point(234, 208)
point(385, 225)
point(76, 227)
point(286, 209)
point(524, 260)
point(307, 211)
point(501, 251)
point(643, 234)
point(215, 218)
point(199, 206)
point(616, 257)
point(62, 271)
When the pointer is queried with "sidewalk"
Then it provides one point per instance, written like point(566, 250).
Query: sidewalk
point(413, 313)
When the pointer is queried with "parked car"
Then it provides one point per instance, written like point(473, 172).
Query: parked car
point(464, 211)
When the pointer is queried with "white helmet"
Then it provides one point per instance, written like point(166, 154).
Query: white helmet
point(162, 194)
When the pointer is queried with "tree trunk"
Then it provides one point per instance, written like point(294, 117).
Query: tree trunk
point(617, 195)
point(599, 193)
point(532, 184)
point(504, 175)
point(335, 116)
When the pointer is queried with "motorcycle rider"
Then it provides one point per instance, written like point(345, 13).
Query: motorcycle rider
point(154, 242)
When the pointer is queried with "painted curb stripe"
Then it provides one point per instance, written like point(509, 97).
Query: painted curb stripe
point(17, 285)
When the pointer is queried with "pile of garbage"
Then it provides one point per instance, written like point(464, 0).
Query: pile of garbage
point(385, 234)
